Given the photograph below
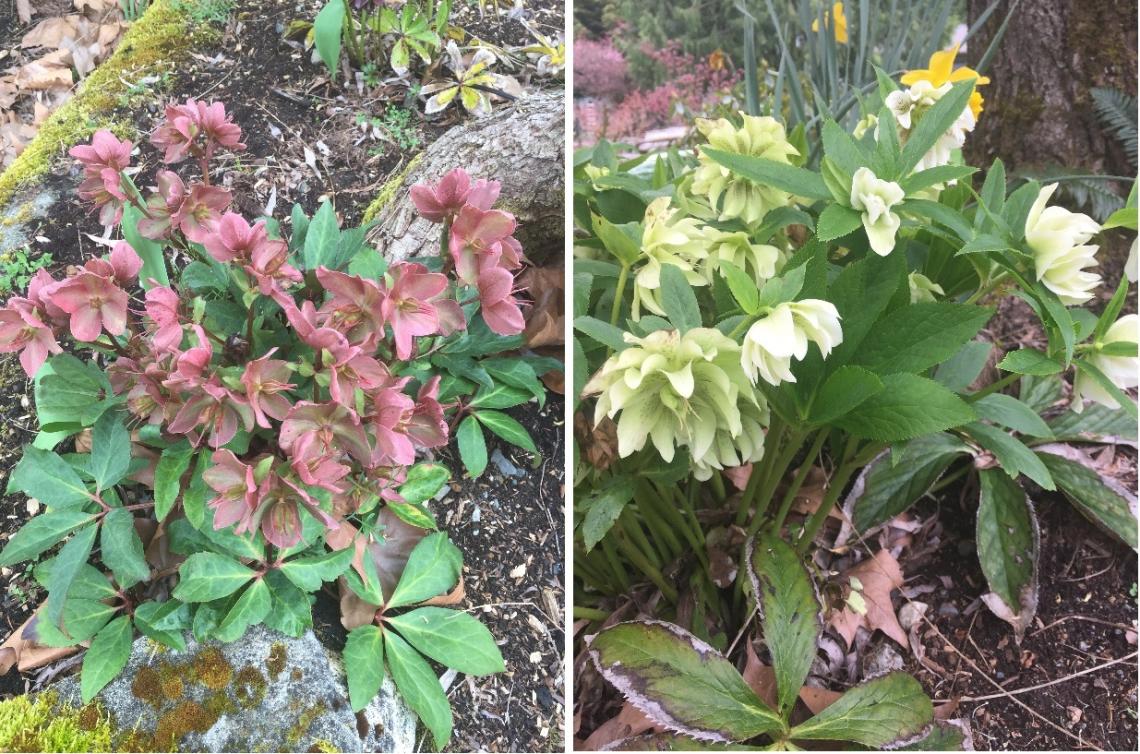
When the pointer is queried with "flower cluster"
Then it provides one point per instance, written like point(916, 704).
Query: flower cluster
point(683, 391)
point(742, 198)
point(307, 410)
point(481, 241)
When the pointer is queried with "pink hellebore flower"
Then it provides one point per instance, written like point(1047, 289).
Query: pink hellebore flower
point(22, 329)
point(265, 380)
point(279, 514)
point(268, 266)
point(105, 191)
point(500, 310)
point(317, 466)
point(354, 308)
point(219, 129)
point(408, 307)
point(477, 238)
point(177, 134)
point(195, 212)
point(237, 498)
point(391, 408)
point(235, 239)
point(125, 263)
point(162, 308)
point(427, 427)
point(94, 302)
point(333, 425)
point(216, 410)
point(105, 152)
point(350, 369)
point(442, 201)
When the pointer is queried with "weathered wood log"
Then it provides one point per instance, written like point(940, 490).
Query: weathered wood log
point(520, 145)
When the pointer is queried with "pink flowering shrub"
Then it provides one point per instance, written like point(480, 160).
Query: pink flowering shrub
point(261, 400)
point(600, 69)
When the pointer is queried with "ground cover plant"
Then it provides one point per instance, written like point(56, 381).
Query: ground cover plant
point(242, 416)
point(779, 307)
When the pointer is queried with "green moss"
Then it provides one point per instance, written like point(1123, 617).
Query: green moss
point(321, 745)
point(153, 42)
point(304, 720)
point(249, 687)
point(275, 663)
point(389, 189)
point(186, 717)
point(41, 724)
point(211, 669)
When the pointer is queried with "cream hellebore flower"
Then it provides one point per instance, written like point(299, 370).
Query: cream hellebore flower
point(783, 334)
point(1061, 252)
point(875, 197)
point(1122, 371)
point(760, 261)
point(1130, 263)
point(682, 391)
point(922, 288)
point(908, 106)
point(666, 239)
point(758, 137)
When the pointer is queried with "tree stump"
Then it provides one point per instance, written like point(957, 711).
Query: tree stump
point(521, 146)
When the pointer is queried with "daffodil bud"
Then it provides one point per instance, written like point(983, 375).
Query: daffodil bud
point(783, 334)
point(1122, 371)
point(1061, 252)
point(743, 198)
point(875, 197)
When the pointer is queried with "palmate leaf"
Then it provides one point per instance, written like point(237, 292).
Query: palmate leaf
point(452, 638)
point(420, 687)
point(680, 682)
point(432, 569)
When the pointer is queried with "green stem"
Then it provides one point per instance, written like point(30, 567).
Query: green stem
point(949, 479)
point(663, 537)
point(993, 387)
point(987, 288)
point(761, 469)
point(689, 501)
point(718, 487)
point(838, 482)
point(661, 514)
point(637, 535)
point(619, 294)
point(744, 325)
point(776, 473)
point(647, 568)
point(619, 569)
point(797, 483)
point(589, 613)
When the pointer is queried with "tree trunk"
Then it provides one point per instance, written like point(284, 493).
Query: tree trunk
point(522, 147)
point(1038, 108)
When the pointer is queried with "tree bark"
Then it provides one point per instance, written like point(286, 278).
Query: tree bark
point(522, 147)
point(1038, 109)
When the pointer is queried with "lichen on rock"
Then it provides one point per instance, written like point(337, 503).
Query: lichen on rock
point(266, 692)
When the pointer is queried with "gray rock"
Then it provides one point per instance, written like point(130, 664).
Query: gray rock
point(19, 215)
point(264, 692)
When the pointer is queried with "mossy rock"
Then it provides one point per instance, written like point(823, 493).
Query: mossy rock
point(264, 692)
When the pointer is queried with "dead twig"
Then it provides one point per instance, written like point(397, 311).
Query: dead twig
point(1088, 618)
point(1039, 686)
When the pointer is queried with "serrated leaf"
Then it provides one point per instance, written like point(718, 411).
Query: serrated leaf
point(40, 533)
point(604, 507)
point(789, 613)
point(842, 392)
point(82, 619)
point(680, 682)
point(1030, 361)
point(678, 299)
point(249, 610)
point(364, 664)
point(172, 464)
point(164, 622)
point(72, 557)
point(309, 573)
point(207, 576)
point(913, 338)
point(961, 369)
point(884, 488)
point(48, 478)
point(291, 612)
point(836, 221)
point(110, 451)
point(420, 688)
point(1008, 545)
point(742, 286)
point(1014, 456)
point(1101, 498)
point(451, 638)
point(1010, 412)
point(499, 396)
point(472, 446)
point(508, 429)
point(432, 569)
point(874, 713)
point(122, 550)
point(907, 407)
point(788, 178)
point(107, 656)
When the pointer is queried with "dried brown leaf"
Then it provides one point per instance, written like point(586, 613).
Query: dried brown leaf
point(879, 575)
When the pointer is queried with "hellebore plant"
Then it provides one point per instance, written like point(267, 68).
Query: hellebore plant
point(742, 320)
point(247, 414)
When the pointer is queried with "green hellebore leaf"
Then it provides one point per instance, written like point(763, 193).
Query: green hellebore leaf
point(207, 576)
point(106, 658)
point(452, 638)
point(364, 664)
point(432, 569)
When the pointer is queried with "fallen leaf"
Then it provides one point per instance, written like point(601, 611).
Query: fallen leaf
point(628, 722)
point(759, 677)
point(545, 323)
point(879, 576)
point(51, 32)
point(817, 700)
point(24, 11)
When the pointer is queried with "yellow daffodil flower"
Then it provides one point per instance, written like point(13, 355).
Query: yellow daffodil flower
point(942, 71)
point(840, 23)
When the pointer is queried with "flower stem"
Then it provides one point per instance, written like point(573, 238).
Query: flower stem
point(838, 482)
point(993, 387)
point(619, 294)
point(589, 613)
point(647, 568)
point(794, 488)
